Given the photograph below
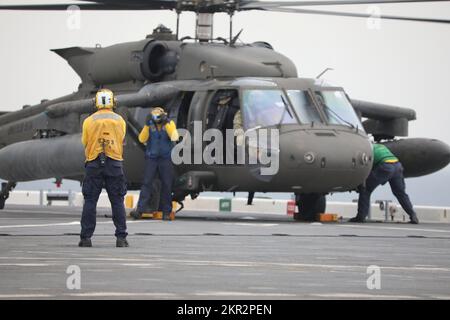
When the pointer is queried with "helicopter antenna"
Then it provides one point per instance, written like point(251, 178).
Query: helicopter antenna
point(231, 13)
point(323, 72)
point(178, 23)
point(236, 37)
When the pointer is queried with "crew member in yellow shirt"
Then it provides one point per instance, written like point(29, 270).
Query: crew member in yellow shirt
point(159, 135)
point(103, 136)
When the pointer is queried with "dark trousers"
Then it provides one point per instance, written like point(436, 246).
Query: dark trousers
point(382, 173)
point(251, 195)
point(111, 177)
point(164, 167)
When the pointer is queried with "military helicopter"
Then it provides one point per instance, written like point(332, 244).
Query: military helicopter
point(324, 144)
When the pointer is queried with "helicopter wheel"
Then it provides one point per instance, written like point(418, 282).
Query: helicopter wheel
point(309, 206)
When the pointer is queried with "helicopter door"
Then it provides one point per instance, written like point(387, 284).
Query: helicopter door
point(220, 115)
point(182, 112)
point(221, 110)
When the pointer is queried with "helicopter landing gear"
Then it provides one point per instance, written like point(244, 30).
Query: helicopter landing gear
point(7, 187)
point(309, 206)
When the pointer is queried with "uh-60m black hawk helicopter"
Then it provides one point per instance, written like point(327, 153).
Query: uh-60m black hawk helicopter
point(323, 146)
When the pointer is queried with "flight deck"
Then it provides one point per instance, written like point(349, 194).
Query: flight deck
point(209, 255)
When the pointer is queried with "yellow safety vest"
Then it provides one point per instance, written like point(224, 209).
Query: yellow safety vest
point(104, 131)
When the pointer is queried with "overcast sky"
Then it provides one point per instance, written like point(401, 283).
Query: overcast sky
point(401, 63)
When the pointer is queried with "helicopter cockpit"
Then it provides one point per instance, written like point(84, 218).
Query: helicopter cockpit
point(266, 103)
point(283, 105)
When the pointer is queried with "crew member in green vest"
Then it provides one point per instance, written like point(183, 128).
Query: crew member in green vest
point(386, 167)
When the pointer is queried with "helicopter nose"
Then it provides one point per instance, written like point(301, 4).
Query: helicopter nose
point(324, 160)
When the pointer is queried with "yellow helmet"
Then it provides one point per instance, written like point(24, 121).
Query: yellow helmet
point(157, 111)
point(104, 99)
point(157, 114)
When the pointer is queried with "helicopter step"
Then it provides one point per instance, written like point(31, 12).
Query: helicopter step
point(310, 206)
point(7, 187)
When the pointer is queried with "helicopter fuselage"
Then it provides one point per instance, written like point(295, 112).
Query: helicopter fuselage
point(321, 144)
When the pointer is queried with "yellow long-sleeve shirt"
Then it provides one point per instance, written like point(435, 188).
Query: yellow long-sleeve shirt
point(104, 131)
point(170, 127)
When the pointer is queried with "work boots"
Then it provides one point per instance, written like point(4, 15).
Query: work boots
point(356, 220)
point(413, 219)
point(85, 243)
point(122, 243)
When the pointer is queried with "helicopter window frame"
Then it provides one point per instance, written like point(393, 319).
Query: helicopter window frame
point(181, 109)
point(319, 107)
point(196, 112)
point(211, 101)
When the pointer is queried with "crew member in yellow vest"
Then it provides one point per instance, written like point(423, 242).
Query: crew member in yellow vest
point(159, 135)
point(103, 136)
point(386, 168)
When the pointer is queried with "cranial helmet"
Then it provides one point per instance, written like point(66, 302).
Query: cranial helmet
point(104, 99)
point(157, 114)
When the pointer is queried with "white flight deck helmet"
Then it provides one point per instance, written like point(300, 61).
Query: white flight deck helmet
point(104, 99)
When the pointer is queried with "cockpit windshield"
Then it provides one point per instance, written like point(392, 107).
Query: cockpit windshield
point(265, 108)
point(338, 109)
point(304, 107)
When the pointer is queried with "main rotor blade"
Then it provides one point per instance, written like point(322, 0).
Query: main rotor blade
point(97, 5)
point(249, 5)
point(197, 5)
point(63, 7)
point(357, 15)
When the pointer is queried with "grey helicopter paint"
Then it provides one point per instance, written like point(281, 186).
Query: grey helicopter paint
point(188, 77)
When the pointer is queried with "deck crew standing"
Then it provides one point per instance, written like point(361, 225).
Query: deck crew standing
point(103, 136)
point(159, 135)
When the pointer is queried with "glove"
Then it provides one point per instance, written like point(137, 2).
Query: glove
point(164, 119)
point(148, 119)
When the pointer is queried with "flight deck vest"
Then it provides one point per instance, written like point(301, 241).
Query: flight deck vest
point(105, 134)
point(159, 144)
